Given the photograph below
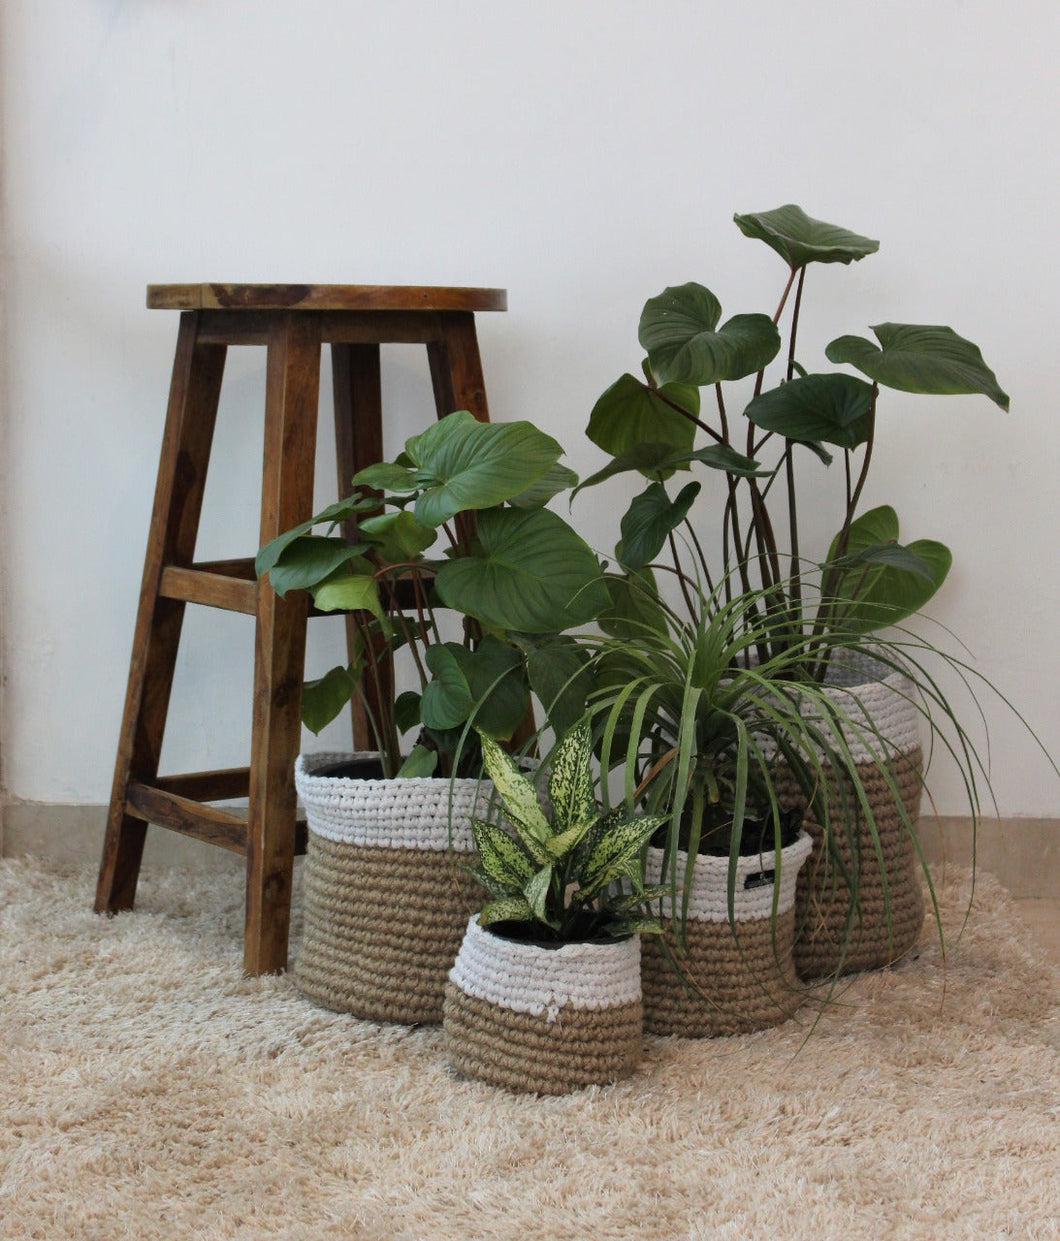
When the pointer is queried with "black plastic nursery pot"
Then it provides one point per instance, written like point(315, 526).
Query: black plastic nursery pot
point(543, 1017)
point(386, 896)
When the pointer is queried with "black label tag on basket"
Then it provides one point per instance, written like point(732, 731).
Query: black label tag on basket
point(762, 879)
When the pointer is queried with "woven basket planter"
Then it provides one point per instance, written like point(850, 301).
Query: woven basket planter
point(386, 900)
point(547, 1019)
point(888, 912)
point(729, 977)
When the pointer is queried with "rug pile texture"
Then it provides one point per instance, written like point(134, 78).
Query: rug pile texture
point(149, 1090)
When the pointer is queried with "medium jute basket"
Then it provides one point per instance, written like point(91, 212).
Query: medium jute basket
point(725, 977)
point(385, 894)
point(541, 1018)
point(856, 908)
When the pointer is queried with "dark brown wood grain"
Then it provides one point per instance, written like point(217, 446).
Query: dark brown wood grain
point(191, 818)
point(292, 321)
point(292, 384)
point(321, 297)
point(194, 394)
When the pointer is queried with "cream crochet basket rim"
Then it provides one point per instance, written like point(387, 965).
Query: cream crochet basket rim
point(527, 978)
point(399, 813)
point(708, 900)
point(881, 702)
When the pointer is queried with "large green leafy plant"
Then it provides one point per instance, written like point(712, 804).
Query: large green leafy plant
point(455, 525)
point(660, 425)
point(566, 870)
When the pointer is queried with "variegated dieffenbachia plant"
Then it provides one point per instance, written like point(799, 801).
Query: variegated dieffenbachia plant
point(568, 869)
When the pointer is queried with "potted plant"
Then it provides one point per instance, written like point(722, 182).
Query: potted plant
point(545, 995)
point(477, 625)
point(732, 751)
point(658, 425)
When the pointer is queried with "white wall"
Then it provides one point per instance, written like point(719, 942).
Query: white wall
point(582, 154)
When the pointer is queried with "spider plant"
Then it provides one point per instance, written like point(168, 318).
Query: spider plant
point(713, 734)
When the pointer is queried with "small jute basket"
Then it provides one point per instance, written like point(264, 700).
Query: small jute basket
point(726, 977)
point(543, 1019)
point(875, 917)
point(386, 898)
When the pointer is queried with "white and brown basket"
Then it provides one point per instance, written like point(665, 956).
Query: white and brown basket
point(543, 1018)
point(386, 897)
point(836, 932)
point(726, 977)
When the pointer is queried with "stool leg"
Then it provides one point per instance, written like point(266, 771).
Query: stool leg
point(192, 412)
point(456, 368)
point(358, 396)
point(292, 386)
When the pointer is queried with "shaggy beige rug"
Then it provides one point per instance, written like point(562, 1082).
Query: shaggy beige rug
point(148, 1090)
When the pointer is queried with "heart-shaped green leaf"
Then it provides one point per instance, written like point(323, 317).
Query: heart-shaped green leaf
point(630, 414)
point(324, 698)
point(921, 358)
point(447, 699)
point(352, 592)
point(633, 610)
point(649, 519)
point(883, 587)
point(529, 573)
point(684, 344)
point(496, 677)
point(550, 484)
point(832, 408)
point(419, 765)
point(397, 537)
point(557, 670)
point(407, 711)
point(308, 560)
point(799, 239)
point(465, 464)
point(341, 510)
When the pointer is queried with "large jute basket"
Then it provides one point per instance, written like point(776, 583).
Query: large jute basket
point(544, 1019)
point(857, 909)
point(385, 892)
point(725, 977)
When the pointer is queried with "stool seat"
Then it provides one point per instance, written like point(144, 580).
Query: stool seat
point(321, 297)
point(293, 322)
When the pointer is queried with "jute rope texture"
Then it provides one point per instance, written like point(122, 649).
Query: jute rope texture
point(543, 1020)
point(383, 921)
point(722, 977)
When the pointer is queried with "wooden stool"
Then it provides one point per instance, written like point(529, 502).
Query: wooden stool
point(292, 321)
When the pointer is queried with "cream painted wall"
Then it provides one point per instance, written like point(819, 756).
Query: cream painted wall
point(583, 154)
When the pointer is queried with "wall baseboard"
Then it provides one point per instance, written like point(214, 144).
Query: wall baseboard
point(1024, 854)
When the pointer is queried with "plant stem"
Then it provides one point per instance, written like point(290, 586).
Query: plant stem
point(701, 556)
point(681, 578)
point(703, 426)
point(789, 461)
